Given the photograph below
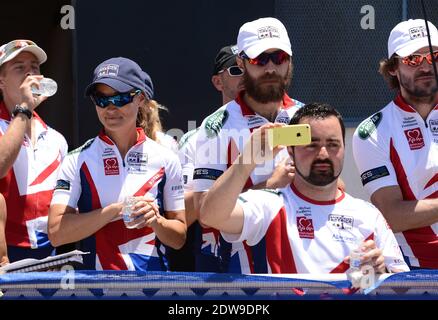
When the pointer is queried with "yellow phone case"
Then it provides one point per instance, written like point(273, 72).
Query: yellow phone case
point(291, 135)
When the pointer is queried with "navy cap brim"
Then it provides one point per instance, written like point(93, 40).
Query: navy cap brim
point(116, 84)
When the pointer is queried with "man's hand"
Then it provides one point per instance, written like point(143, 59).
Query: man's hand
point(145, 213)
point(373, 256)
point(257, 149)
point(26, 97)
point(283, 174)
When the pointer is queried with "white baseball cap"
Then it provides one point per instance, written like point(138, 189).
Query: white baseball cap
point(410, 36)
point(262, 34)
point(13, 48)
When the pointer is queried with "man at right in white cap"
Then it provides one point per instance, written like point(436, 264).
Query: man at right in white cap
point(396, 149)
point(30, 152)
point(265, 56)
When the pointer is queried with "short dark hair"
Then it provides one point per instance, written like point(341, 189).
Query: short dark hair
point(387, 65)
point(317, 110)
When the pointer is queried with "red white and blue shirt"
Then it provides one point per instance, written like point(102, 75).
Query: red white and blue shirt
point(28, 185)
point(219, 140)
point(95, 176)
point(223, 135)
point(397, 147)
point(296, 234)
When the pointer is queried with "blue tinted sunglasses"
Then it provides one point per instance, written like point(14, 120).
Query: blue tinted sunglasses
point(118, 100)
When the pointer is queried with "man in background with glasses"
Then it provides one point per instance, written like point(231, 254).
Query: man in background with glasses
point(396, 149)
point(265, 56)
point(227, 75)
point(227, 79)
point(30, 152)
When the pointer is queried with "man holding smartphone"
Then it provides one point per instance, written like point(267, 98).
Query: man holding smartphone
point(309, 226)
point(265, 56)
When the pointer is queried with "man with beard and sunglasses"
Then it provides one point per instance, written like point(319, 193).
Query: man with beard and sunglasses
point(265, 56)
point(309, 226)
point(396, 149)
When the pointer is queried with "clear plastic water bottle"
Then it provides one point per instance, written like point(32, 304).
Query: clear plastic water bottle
point(354, 273)
point(128, 204)
point(48, 87)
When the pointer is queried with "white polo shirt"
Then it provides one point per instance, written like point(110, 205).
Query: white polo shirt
point(302, 235)
point(397, 147)
point(95, 176)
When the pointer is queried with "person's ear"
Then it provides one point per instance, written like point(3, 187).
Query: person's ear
point(2, 81)
point(393, 72)
point(141, 98)
point(217, 82)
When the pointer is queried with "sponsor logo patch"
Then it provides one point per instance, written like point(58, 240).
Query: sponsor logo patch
point(418, 32)
point(341, 222)
point(215, 122)
point(137, 158)
point(268, 32)
point(206, 173)
point(108, 152)
point(305, 228)
point(367, 127)
point(374, 174)
point(62, 185)
point(255, 121)
point(282, 119)
point(433, 125)
point(409, 122)
point(342, 238)
point(111, 166)
point(415, 138)
point(137, 162)
point(109, 70)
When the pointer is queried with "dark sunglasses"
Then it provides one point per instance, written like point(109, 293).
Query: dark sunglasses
point(277, 57)
point(119, 100)
point(233, 71)
point(416, 59)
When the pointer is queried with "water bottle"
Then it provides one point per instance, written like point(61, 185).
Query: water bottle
point(354, 273)
point(128, 204)
point(48, 88)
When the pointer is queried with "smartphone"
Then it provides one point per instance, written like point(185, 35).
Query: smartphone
point(291, 135)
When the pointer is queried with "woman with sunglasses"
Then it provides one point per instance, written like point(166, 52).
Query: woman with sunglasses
point(121, 161)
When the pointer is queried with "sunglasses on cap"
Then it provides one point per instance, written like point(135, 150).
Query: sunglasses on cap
point(118, 100)
point(233, 71)
point(277, 57)
point(416, 59)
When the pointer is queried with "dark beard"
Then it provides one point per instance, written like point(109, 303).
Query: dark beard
point(317, 178)
point(417, 92)
point(273, 92)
